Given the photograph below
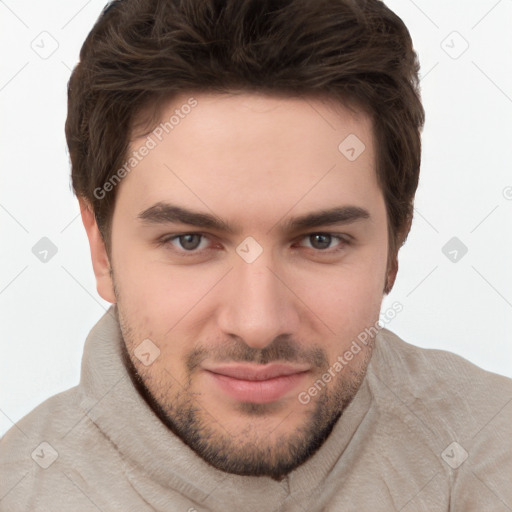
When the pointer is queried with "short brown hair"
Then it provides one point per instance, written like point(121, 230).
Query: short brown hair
point(141, 52)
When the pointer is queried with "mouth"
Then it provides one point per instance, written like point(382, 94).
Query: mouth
point(257, 383)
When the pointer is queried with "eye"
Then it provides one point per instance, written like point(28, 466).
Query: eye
point(193, 244)
point(322, 241)
point(187, 242)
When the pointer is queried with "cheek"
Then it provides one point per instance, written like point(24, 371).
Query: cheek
point(157, 295)
point(350, 301)
point(346, 300)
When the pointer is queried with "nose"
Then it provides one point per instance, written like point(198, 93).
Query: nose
point(256, 304)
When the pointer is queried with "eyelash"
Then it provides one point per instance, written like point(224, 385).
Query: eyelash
point(344, 239)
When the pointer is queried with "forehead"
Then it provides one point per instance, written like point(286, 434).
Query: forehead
point(254, 151)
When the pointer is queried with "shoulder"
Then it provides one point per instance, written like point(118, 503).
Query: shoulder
point(48, 419)
point(433, 368)
point(455, 414)
point(451, 396)
point(41, 455)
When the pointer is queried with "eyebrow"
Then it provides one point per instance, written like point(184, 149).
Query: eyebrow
point(165, 213)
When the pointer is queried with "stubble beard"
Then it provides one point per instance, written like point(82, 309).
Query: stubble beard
point(247, 451)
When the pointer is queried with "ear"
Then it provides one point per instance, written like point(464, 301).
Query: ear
point(391, 274)
point(392, 269)
point(99, 256)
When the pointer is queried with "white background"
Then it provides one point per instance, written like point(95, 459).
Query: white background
point(47, 309)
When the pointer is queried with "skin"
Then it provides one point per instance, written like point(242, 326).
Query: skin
point(254, 161)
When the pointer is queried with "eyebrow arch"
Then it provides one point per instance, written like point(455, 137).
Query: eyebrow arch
point(330, 217)
point(163, 213)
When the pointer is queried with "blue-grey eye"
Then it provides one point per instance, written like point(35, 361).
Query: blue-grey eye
point(320, 240)
point(190, 241)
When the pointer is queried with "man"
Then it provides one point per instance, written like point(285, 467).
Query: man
point(246, 172)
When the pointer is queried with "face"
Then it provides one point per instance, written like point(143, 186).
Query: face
point(248, 253)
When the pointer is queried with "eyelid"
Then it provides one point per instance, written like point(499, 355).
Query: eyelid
point(166, 239)
point(342, 237)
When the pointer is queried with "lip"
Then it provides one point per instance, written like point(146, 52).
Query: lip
point(256, 372)
point(257, 383)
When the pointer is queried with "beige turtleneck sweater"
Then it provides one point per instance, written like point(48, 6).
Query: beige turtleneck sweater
point(427, 431)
